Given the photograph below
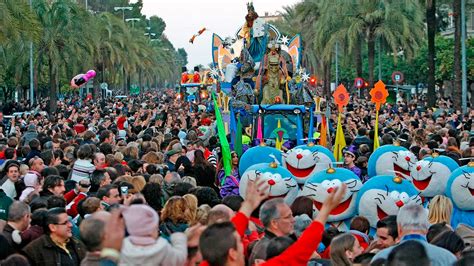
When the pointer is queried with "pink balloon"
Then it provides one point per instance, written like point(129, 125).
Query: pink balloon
point(90, 74)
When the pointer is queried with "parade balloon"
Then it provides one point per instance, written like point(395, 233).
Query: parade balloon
point(81, 79)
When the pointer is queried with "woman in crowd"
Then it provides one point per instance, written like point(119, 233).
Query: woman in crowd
point(344, 248)
point(440, 210)
point(175, 216)
point(229, 185)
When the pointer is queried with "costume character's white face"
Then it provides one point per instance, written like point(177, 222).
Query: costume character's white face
point(280, 185)
point(430, 178)
point(396, 163)
point(376, 204)
point(318, 192)
point(462, 190)
point(302, 163)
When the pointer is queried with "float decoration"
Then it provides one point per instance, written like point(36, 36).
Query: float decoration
point(379, 96)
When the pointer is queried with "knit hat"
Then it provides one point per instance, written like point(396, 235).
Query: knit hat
point(141, 222)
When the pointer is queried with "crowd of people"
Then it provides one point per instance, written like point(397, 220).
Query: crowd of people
point(140, 181)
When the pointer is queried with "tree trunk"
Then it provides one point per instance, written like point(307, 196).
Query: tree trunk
point(358, 58)
point(431, 23)
point(371, 57)
point(327, 80)
point(457, 91)
point(52, 87)
point(140, 80)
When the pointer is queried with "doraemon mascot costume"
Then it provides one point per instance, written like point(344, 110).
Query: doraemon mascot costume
point(305, 160)
point(256, 155)
point(391, 160)
point(318, 187)
point(430, 175)
point(382, 196)
point(281, 183)
point(460, 189)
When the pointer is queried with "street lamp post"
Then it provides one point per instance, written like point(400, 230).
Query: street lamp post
point(463, 57)
point(133, 21)
point(32, 97)
point(123, 8)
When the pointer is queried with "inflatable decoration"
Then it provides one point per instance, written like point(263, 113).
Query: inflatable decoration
point(305, 160)
point(281, 183)
point(460, 189)
point(391, 160)
point(256, 155)
point(430, 175)
point(81, 79)
point(318, 186)
point(384, 195)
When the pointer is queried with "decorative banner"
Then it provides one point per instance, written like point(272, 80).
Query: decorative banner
point(379, 96)
point(226, 157)
point(340, 142)
point(341, 97)
point(238, 137)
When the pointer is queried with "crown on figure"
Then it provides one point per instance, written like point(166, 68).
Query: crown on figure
point(250, 7)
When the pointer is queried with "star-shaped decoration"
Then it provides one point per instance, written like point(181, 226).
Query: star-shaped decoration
point(305, 77)
point(215, 72)
point(284, 39)
point(301, 71)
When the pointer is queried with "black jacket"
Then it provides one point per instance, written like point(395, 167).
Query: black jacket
point(43, 251)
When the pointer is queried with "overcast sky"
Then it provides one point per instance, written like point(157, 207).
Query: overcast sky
point(185, 17)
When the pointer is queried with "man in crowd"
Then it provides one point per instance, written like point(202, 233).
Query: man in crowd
point(412, 222)
point(57, 246)
point(278, 220)
point(18, 221)
point(108, 195)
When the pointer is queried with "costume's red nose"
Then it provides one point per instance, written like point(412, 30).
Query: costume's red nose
point(418, 168)
point(400, 204)
point(271, 182)
point(299, 156)
point(331, 189)
point(407, 159)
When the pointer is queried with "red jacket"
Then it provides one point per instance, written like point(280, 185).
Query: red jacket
point(73, 200)
point(298, 253)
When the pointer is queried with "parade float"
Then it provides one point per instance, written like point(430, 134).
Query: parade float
point(260, 81)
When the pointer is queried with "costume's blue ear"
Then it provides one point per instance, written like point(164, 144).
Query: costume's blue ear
point(460, 188)
point(256, 155)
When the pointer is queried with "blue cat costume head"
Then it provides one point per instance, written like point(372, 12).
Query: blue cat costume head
point(391, 160)
point(460, 187)
point(318, 186)
point(256, 155)
point(430, 175)
point(281, 183)
point(385, 195)
point(306, 160)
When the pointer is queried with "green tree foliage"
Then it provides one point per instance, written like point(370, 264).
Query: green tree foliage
point(68, 40)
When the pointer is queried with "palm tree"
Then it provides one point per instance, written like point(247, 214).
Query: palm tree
point(457, 54)
point(18, 22)
point(398, 24)
point(63, 40)
point(431, 30)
